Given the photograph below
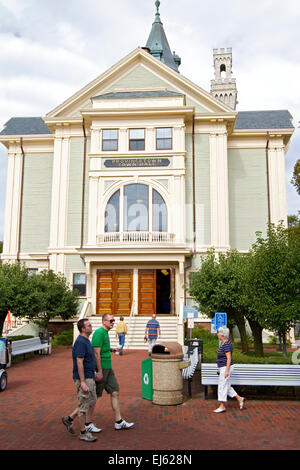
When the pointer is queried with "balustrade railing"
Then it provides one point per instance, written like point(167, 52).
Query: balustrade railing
point(136, 237)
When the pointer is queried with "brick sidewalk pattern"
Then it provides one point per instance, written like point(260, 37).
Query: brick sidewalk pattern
point(40, 391)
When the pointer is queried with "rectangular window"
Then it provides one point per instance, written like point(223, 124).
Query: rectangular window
point(136, 139)
point(32, 271)
point(110, 139)
point(164, 138)
point(79, 283)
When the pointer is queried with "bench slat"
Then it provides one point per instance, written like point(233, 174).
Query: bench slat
point(255, 374)
point(24, 346)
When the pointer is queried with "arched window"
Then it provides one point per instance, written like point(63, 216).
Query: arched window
point(159, 213)
point(136, 208)
point(112, 213)
point(223, 71)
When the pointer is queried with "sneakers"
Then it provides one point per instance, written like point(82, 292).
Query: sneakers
point(88, 437)
point(92, 428)
point(68, 423)
point(123, 425)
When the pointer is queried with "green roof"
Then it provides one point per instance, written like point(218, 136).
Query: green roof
point(158, 43)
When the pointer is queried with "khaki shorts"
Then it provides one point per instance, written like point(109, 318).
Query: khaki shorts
point(108, 383)
point(86, 400)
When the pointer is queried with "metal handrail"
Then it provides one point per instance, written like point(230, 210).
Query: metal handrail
point(129, 323)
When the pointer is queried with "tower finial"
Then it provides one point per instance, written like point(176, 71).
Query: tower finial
point(157, 15)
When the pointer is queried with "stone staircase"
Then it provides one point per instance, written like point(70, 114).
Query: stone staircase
point(136, 330)
point(16, 324)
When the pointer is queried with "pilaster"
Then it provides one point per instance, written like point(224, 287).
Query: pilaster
point(219, 191)
point(13, 201)
point(59, 200)
point(277, 185)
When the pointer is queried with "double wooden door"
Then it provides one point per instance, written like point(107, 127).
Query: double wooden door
point(114, 292)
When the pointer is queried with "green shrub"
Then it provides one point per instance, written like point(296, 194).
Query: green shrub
point(201, 333)
point(211, 344)
point(18, 338)
point(65, 338)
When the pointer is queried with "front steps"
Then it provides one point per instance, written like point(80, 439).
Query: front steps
point(136, 330)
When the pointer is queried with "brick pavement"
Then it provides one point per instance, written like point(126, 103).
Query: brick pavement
point(40, 391)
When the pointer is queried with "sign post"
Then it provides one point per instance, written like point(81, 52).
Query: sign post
point(190, 313)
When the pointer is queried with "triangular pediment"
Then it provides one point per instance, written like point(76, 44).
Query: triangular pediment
point(139, 71)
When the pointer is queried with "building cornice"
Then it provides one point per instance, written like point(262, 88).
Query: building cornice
point(11, 139)
point(285, 134)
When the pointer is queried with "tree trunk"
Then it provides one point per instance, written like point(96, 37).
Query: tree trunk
point(257, 335)
point(280, 342)
point(284, 349)
point(240, 323)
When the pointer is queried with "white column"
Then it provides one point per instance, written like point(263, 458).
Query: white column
point(219, 191)
point(55, 200)
point(60, 184)
point(180, 301)
point(135, 291)
point(64, 186)
point(57, 262)
point(150, 139)
point(13, 201)
point(277, 185)
point(123, 143)
point(96, 147)
point(59, 198)
point(94, 210)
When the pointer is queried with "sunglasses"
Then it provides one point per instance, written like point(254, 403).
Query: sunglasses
point(111, 321)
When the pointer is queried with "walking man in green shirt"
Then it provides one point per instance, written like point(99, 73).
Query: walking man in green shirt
point(105, 377)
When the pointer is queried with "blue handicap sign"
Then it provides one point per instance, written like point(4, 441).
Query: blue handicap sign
point(220, 319)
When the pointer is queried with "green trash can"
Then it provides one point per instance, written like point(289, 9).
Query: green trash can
point(147, 379)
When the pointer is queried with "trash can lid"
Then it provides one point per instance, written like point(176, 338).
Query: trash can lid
point(167, 350)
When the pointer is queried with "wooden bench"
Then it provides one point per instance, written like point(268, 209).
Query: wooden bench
point(254, 374)
point(24, 346)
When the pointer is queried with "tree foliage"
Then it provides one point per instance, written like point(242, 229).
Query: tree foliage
point(55, 296)
point(262, 286)
point(217, 286)
point(294, 224)
point(273, 279)
point(39, 297)
point(296, 176)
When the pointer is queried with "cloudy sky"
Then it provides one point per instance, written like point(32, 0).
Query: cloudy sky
point(49, 49)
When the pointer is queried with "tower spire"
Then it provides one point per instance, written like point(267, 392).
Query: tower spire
point(157, 16)
point(158, 44)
